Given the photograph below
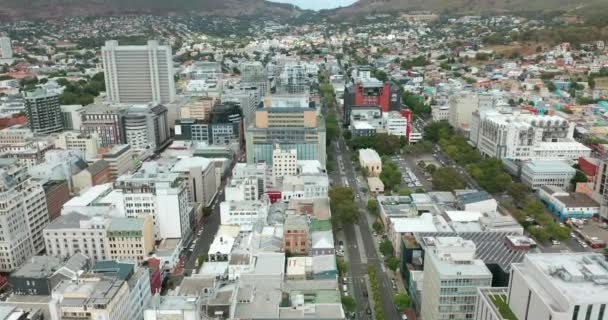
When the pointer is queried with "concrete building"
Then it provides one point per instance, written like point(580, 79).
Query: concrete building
point(43, 111)
point(74, 232)
point(6, 49)
point(16, 242)
point(198, 108)
point(559, 286)
point(242, 189)
point(173, 307)
point(600, 188)
point(23, 215)
point(120, 159)
point(370, 160)
point(106, 121)
point(41, 275)
point(247, 98)
point(88, 144)
point(305, 186)
point(138, 74)
point(284, 163)
point(536, 174)
point(244, 213)
point(479, 201)
point(461, 110)
point(154, 191)
point(452, 274)
point(97, 173)
point(203, 178)
point(72, 116)
point(490, 304)
point(296, 237)
point(528, 137)
point(290, 128)
point(396, 124)
point(130, 239)
point(440, 113)
point(57, 193)
point(92, 298)
point(568, 205)
point(146, 127)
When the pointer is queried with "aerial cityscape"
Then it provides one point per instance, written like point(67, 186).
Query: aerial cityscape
point(333, 160)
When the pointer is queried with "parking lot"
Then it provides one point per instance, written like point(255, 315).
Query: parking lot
point(592, 231)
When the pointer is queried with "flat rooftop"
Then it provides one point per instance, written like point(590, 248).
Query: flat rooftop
point(490, 246)
point(580, 277)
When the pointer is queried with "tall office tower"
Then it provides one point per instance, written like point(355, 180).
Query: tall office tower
point(559, 286)
point(289, 128)
point(6, 50)
point(43, 112)
point(452, 275)
point(254, 74)
point(138, 74)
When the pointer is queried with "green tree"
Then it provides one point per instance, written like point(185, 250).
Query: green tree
point(378, 226)
point(341, 265)
point(349, 304)
point(343, 208)
point(393, 263)
point(386, 248)
point(578, 177)
point(430, 168)
point(402, 301)
point(390, 176)
point(447, 179)
point(372, 206)
point(519, 192)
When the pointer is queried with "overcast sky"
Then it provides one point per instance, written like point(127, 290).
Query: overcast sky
point(318, 4)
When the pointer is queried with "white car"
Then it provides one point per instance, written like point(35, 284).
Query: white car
point(555, 242)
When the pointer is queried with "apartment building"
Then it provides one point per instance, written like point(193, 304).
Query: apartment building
point(130, 239)
point(138, 74)
point(72, 116)
point(452, 274)
point(155, 191)
point(461, 110)
point(284, 163)
point(198, 108)
point(43, 111)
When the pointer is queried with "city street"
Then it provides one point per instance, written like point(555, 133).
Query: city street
point(360, 244)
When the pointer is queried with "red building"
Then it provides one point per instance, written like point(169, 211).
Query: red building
point(588, 166)
point(274, 196)
point(373, 93)
point(11, 121)
point(57, 193)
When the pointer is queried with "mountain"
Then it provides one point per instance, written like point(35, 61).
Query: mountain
point(473, 6)
point(43, 9)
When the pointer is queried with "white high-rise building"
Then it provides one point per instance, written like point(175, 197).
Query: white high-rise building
point(15, 240)
point(558, 286)
point(138, 74)
point(452, 275)
point(163, 195)
point(284, 163)
point(461, 110)
point(528, 137)
point(6, 50)
point(23, 215)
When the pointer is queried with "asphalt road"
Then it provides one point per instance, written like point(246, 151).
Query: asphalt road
point(361, 249)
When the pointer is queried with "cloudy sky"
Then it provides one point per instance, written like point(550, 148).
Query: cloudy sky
point(318, 4)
